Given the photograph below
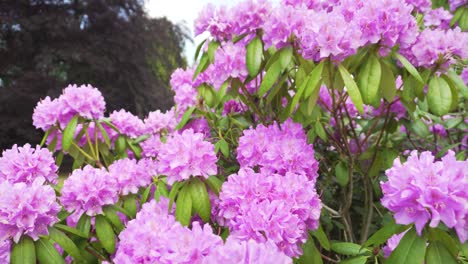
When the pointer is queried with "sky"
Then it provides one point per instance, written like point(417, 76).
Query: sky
point(183, 11)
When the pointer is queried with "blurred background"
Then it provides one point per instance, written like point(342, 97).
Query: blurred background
point(126, 48)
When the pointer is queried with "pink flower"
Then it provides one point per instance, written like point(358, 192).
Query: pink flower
point(26, 164)
point(185, 155)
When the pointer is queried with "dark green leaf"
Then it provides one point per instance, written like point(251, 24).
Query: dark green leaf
point(46, 252)
point(71, 230)
point(130, 204)
point(351, 88)
point(448, 241)
point(310, 255)
point(387, 84)
point(314, 80)
point(410, 250)
point(135, 148)
point(105, 234)
point(197, 51)
point(183, 211)
point(84, 224)
point(459, 83)
point(437, 253)
point(69, 133)
point(111, 214)
point(24, 252)
point(173, 193)
point(322, 238)
point(121, 146)
point(200, 199)
point(64, 242)
point(439, 96)
point(224, 146)
point(204, 63)
point(383, 234)
point(285, 57)
point(355, 260)
point(420, 128)
point(369, 81)
point(146, 193)
point(161, 190)
point(254, 56)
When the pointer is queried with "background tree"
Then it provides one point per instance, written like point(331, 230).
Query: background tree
point(110, 44)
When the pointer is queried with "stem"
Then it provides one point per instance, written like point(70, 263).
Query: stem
point(82, 151)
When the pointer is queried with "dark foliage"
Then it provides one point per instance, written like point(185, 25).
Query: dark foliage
point(110, 44)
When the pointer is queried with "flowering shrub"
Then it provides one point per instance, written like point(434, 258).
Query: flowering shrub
point(273, 153)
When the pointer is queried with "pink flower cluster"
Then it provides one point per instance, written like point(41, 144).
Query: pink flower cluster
point(278, 149)
point(185, 95)
point(273, 207)
point(130, 175)
point(438, 18)
point(438, 48)
point(26, 164)
point(127, 123)
point(332, 29)
point(157, 122)
point(5, 247)
point(187, 154)
point(237, 251)
point(84, 100)
point(423, 190)
point(26, 209)
point(156, 237)
point(87, 190)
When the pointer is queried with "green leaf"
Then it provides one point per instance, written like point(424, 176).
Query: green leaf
point(383, 234)
point(270, 78)
point(71, 230)
point(161, 190)
point(111, 214)
point(342, 175)
point(185, 118)
point(312, 101)
point(351, 88)
point(285, 57)
point(420, 128)
point(69, 133)
point(84, 224)
point(310, 255)
point(46, 252)
point(173, 193)
point(439, 96)
point(214, 183)
point(254, 56)
point(314, 80)
point(44, 138)
point(204, 63)
point(146, 193)
point(320, 131)
point(183, 211)
point(212, 47)
point(355, 260)
point(224, 146)
point(409, 67)
point(200, 199)
point(459, 83)
point(130, 204)
point(322, 238)
point(347, 248)
point(197, 51)
point(135, 148)
point(387, 84)
point(437, 253)
point(369, 81)
point(64, 242)
point(448, 241)
point(24, 252)
point(121, 146)
point(105, 234)
point(410, 250)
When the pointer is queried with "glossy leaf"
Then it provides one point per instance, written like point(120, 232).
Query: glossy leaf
point(254, 56)
point(270, 78)
point(410, 250)
point(24, 252)
point(183, 211)
point(387, 83)
point(46, 252)
point(351, 88)
point(200, 199)
point(347, 248)
point(105, 234)
point(355, 260)
point(71, 230)
point(214, 183)
point(185, 118)
point(369, 81)
point(439, 96)
point(64, 242)
point(84, 224)
point(69, 133)
point(342, 175)
point(409, 67)
point(437, 253)
point(314, 80)
point(322, 238)
point(383, 234)
point(310, 255)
